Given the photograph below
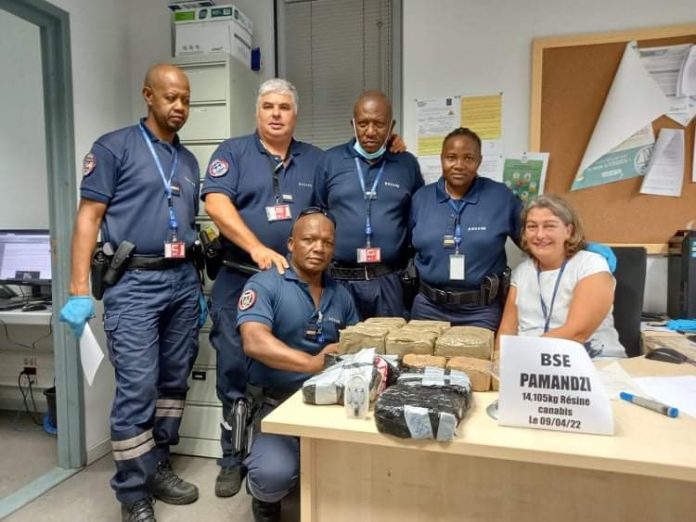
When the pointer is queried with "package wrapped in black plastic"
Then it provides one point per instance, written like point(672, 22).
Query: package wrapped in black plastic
point(426, 403)
point(327, 387)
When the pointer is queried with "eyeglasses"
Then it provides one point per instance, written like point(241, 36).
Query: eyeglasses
point(316, 210)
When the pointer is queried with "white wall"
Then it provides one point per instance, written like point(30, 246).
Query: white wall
point(469, 47)
point(22, 135)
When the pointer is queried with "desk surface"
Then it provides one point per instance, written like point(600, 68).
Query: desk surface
point(645, 442)
point(17, 317)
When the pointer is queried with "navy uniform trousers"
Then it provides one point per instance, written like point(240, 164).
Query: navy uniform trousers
point(151, 323)
point(231, 363)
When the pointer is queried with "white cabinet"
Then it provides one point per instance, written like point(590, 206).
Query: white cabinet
point(223, 105)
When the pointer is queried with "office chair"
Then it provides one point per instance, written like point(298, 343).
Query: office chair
point(628, 297)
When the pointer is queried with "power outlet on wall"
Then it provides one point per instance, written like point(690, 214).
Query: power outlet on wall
point(30, 369)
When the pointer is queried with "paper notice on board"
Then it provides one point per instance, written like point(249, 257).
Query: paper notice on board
point(436, 118)
point(431, 168)
point(484, 116)
point(666, 168)
point(91, 354)
point(633, 102)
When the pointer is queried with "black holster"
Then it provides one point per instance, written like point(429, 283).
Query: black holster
point(99, 265)
point(118, 264)
point(241, 424)
point(409, 283)
point(211, 252)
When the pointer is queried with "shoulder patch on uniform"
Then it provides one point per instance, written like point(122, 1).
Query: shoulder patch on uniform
point(88, 164)
point(218, 168)
point(247, 300)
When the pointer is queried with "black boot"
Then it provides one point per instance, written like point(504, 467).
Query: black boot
point(228, 481)
point(139, 511)
point(169, 488)
point(265, 511)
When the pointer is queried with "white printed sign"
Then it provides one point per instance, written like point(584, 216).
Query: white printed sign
point(551, 384)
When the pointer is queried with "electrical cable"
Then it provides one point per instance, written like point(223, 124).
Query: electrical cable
point(29, 393)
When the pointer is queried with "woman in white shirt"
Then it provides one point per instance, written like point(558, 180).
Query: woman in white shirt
point(561, 290)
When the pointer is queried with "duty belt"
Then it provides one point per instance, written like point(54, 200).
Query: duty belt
point(260, 395)
point(491, 287)
point(361, 272)
point(156, 262)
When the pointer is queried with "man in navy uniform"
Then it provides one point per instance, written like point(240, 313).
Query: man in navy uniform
point(368, 189)
point(254, 188)
point(140, 185)
point(287, 323)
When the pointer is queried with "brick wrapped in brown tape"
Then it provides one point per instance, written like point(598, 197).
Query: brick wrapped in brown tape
point(465, 341)
point(404, 341)
point(478, 370)
point(391, 322)
point(414, 360)
point(355, 338)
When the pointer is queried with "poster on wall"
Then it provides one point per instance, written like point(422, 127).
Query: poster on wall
point(525, 175)
point(437, 117)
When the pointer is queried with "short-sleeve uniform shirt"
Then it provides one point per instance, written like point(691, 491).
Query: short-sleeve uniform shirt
point(283, 303)
point(488, 214)
point(338, 188)
point(242, 169)
point(121, 172)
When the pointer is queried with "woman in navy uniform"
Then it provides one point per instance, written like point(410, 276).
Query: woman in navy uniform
point(459, 227)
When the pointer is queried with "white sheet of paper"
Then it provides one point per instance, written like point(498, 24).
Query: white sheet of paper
point(491, 167)
point(551, 384)
point(666, 65)
point(91, 354)
point(634, 101)
point(687, 76)
point(616, 380)
point(431, 168)
point(678, 392)
point(665, 174)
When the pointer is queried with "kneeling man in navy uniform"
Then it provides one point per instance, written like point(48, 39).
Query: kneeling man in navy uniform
point(288, 323)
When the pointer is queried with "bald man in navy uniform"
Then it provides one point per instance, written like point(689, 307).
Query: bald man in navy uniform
point(287, 323)
point(140, 185)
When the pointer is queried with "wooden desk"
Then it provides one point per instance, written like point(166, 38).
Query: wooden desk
point(350, 472)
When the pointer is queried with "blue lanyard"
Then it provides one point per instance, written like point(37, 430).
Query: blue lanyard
point(368, 197)
point(457, 207)
point(173, 225)
point(548, 311)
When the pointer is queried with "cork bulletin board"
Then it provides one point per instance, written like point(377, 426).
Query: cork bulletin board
point(571, 77)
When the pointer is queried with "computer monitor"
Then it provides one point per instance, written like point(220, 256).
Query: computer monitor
point(25, 259)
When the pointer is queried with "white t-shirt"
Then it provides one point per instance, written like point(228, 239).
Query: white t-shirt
point(604, 342)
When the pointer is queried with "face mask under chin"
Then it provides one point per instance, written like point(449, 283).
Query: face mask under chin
point(369, 155)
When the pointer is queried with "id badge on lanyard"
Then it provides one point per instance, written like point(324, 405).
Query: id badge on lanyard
point(281, 210)
point(457, 263)
point(368, 254)
point(174, 248)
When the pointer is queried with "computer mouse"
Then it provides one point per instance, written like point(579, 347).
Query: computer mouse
point(669, 355)
point(33, 307)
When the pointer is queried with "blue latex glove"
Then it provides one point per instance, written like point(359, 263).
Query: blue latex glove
point(203, 310)
point(604, 251)
point(682, 325)
point(76, 312)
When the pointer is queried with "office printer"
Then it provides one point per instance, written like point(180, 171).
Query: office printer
point(681, 275)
